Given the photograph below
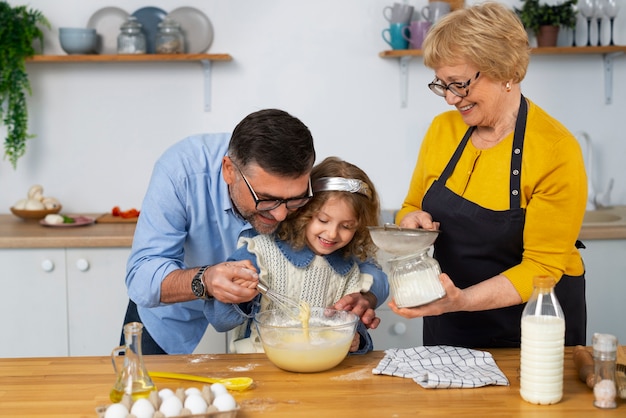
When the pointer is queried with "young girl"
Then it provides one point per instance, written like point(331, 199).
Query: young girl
point(313, 256)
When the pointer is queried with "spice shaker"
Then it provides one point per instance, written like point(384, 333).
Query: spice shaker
point(604, 359)
point(542, 345)
point(169, 39)
point(131, 39)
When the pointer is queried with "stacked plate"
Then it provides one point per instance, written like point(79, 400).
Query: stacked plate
point(195, 25)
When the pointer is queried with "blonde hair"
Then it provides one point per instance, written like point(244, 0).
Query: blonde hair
point(489, 35)
point(366, 210)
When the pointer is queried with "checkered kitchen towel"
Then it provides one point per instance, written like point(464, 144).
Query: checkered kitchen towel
point(442, 366)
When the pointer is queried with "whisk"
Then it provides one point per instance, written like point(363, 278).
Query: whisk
point(291, 307)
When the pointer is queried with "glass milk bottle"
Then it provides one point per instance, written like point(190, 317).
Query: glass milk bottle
point(543, 341)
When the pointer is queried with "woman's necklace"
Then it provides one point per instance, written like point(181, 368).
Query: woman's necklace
point(493, 139)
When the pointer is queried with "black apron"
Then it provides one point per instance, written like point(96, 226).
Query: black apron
point(476, 244)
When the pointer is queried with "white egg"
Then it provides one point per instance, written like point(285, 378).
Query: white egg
point(171, 406)
point(196, 404)
point(116, 410)
point(192, 391)
point(142, 408)
point(165, 393)
point(225, 402)
point(218, 389)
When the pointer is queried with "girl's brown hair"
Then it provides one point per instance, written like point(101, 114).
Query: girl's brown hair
point(367, 210)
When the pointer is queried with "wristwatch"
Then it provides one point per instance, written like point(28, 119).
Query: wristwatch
point(197, 284)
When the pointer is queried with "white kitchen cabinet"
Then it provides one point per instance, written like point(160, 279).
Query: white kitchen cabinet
point(395, 331)
point(59, 302)
point(68, 301)
point(605, 264)
point(97, 299)
point(33, 303)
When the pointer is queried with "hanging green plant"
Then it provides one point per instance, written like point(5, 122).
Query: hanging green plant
point(18, 30)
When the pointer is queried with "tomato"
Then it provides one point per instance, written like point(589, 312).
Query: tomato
point(131, 213)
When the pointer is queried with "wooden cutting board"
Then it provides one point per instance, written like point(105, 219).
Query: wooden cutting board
point(621, 373)
point(107, 218)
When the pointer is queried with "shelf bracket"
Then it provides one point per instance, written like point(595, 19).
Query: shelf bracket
point(404, 80)
point(608, 76)
point(206, 71)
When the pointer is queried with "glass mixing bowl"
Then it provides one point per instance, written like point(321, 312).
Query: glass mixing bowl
point(321, 346)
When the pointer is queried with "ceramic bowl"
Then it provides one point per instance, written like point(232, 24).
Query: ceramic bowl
point(34, 215)
point(78, 40)
point(321, 346)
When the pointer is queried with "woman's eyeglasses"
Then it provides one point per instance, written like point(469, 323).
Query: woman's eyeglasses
point(457, 88)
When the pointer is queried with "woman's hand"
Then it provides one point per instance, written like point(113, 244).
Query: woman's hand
point(496, 292)
point(419, 219)
point(453, 301)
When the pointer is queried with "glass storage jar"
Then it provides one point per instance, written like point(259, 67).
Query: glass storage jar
point(414, 279)
point(169, 39)
point(131, 39)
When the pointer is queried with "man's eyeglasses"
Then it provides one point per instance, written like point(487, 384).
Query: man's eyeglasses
point(457, 88)
point(271, 204)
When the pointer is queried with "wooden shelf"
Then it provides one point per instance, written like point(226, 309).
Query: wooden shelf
point(130, 58)
point(557, 50)
point(205, 59)
point(608, 53)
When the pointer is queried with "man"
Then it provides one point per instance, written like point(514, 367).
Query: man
point(196, 208)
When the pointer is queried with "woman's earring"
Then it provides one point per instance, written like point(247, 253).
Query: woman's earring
point(508, 86)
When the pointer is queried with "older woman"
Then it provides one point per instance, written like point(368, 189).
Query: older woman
point(504, 180)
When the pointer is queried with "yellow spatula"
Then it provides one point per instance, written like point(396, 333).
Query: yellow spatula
point(231, 383)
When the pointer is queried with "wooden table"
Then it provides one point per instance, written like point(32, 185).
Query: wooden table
point(74, 386)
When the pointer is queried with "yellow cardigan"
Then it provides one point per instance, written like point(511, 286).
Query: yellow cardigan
point(554, 188)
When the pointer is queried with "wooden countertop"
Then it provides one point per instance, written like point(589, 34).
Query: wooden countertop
point(72, 387)
point(17, 233)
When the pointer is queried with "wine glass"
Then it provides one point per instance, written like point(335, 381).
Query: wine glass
point(587, 9)
point(599, 13)
point(611, 7)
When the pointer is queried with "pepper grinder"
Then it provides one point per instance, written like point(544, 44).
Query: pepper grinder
point(604, 359)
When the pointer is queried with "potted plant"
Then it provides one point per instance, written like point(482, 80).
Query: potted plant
point(541, 17)
point(19, 28)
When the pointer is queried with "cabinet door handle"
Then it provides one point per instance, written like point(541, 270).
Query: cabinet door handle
point(82, 264)
point(399, 328)
point(47, 265)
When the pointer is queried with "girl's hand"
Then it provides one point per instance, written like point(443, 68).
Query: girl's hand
point(355, 343)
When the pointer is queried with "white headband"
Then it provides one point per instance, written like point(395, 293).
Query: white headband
point(342, 185)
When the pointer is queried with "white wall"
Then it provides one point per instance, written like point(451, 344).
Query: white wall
point(100, 126)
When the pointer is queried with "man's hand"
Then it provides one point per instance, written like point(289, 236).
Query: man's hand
point(362, 305)
point(232, 282)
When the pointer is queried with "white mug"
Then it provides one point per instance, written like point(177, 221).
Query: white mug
point(435, 10)
point(398, 13)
